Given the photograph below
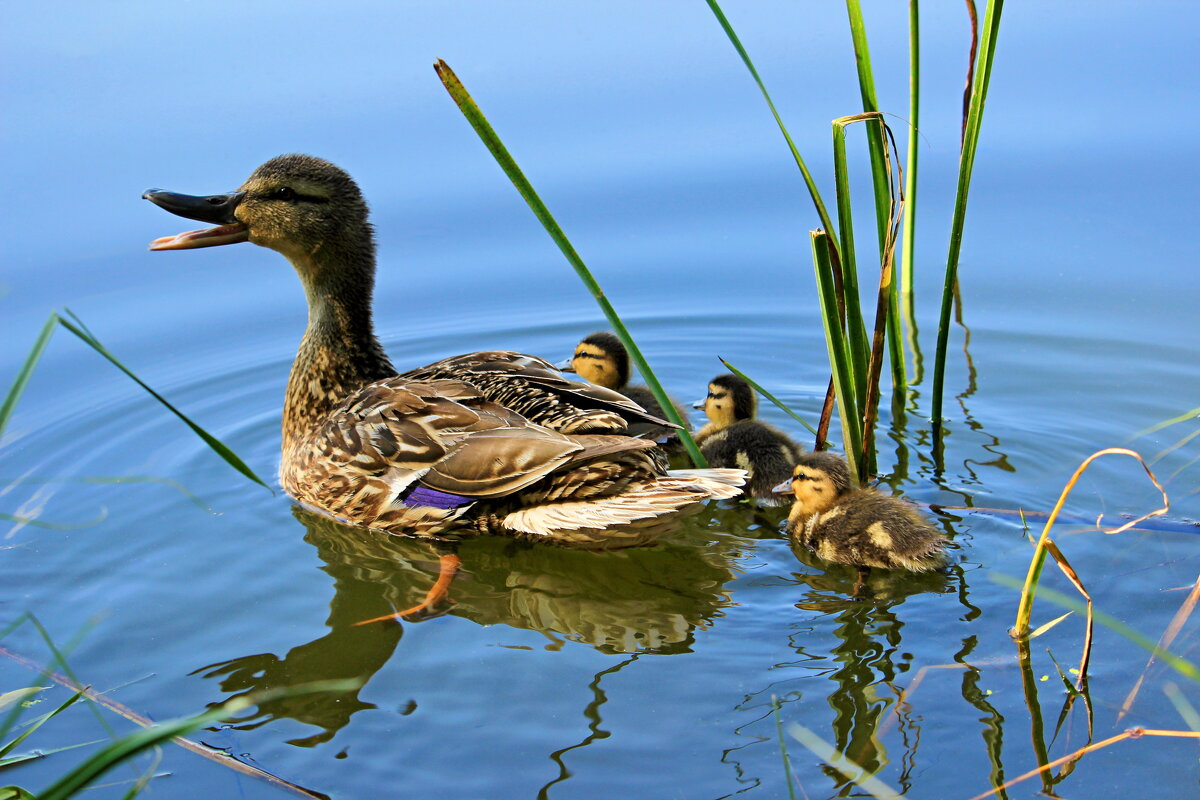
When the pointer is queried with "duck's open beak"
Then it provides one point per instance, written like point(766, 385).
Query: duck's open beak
point(216, 208)
point(783, 488)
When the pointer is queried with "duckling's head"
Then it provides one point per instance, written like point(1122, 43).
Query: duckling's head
point(303, 207)
point(730, 399)
point(817, 481)
point(602, 359)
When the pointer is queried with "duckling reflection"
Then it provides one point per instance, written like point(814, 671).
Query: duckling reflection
point(638, 600)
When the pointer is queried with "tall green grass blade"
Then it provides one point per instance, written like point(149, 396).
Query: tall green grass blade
point(1185, 708)
point(866, 86)
point(33, 726)
point(76, 326)
point(758, 388)
point(33, 522)
point(840, 762)
point(787, 763)
point(908, 248)
point(1193, 414)
point(31, 360)
point(881, 181)
point(856, 333)
point(19, 696)
point(109, 480)
point(1180, 665)
point(813, 192)
point(838, 358)
point(966, 163)
point(483, 128)
point(140, 741)
point(60, 658)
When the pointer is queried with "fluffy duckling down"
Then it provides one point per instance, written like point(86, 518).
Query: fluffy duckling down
point(859, 527)
point(600, 358)
point(734, 438)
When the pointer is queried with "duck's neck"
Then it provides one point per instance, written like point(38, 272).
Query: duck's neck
point(339, 353)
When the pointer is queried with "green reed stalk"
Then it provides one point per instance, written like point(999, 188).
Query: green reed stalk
point(882, 183)
point(787, 762)
point(495, 146)
point(983, 74)
point(856, 335)
point(835, 342)
point(907, 301)
point(826, 221)
point(1183, 666)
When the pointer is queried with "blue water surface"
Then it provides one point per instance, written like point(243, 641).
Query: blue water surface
point(646, 673)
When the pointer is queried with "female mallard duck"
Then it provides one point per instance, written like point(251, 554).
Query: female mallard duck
point(859, 527)
point(733, 438)
point(496, 441)
point(602, 359)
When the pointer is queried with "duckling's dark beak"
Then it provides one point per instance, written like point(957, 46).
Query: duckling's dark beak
point(216, 208)
point(699, 404)
point(566, 366)
point(783, 488)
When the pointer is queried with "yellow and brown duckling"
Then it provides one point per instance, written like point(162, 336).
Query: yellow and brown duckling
point(493, 441)
point(601, 359)
point(734, 438)
point(859, 527)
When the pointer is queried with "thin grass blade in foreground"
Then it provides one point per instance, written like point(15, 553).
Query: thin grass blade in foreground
point(885, 194)
point(76, 326)
point(18, 386)
point(134, 743)
point(908, 247)
point(1193, 414)
point(1181, 665)
point(187, 744)
point(1029, 591)
point(839, 762)
point(1132, 733)
point(966, 163)
point(1164, 641)
point(787, 763)
point(483, 128)
point(767, 395)
point(838, 358)
point(813, 192)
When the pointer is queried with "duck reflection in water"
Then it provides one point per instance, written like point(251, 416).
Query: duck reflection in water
point(636, 600)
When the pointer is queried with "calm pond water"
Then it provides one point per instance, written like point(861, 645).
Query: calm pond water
point(644, 673)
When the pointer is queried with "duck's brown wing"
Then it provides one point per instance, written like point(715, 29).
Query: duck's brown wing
point(390, 437)
point(535, 389)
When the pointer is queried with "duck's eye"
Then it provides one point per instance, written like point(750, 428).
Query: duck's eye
point(284, 193)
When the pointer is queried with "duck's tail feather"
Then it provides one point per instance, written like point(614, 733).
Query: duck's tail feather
point(636, 516)
point(720, 484)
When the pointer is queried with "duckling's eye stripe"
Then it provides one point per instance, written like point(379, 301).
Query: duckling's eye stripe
point(588, 355)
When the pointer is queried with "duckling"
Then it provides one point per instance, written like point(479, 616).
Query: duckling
point(859, 527)
point(485, 442)
point(601, 359)
point(733, 438)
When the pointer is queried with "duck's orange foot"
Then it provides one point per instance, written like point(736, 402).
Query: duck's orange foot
point(448, 566)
